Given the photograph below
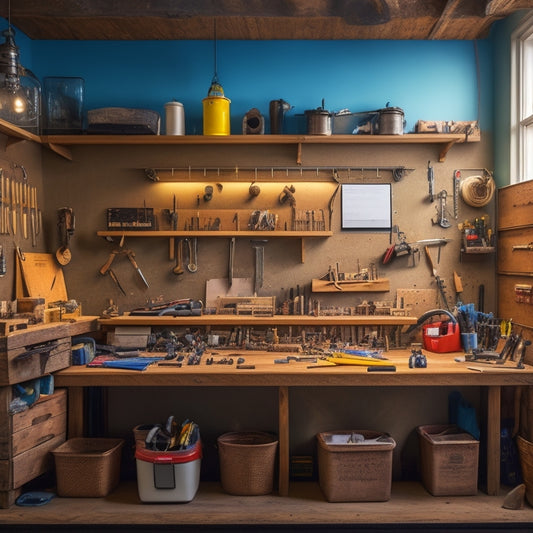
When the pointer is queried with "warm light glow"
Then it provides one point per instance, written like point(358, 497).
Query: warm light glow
point(19, 104)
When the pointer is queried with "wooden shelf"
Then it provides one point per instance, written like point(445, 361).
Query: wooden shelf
point(16, 134)
point(58, 143)
point(305, 509)
point(375, 285)
point(224, 234)
point(247, 320)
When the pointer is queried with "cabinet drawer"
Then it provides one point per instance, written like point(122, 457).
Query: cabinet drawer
point(34, 360)
point(45, 420)
point(509, 304)
point(514, 205)
point(515, 261)
point(29, 464)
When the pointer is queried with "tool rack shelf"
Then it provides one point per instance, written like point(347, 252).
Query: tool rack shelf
point(223, 233)
point(59, 143)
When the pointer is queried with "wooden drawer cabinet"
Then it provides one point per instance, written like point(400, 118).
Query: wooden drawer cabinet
point(26, 440)
point(515, 267)
point(34, 352)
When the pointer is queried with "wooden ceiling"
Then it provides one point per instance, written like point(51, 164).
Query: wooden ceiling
point(257, 19)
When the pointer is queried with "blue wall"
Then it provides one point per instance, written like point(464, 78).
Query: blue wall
point(432, 80)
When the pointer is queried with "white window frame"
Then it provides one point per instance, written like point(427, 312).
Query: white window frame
point(521, 133)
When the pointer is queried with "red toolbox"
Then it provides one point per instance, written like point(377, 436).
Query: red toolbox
point(442, 337)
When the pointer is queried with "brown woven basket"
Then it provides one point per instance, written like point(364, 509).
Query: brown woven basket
point(247, 462)
point(525, 450)
point(88, 468)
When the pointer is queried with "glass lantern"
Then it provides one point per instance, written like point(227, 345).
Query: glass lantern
point(20, 90)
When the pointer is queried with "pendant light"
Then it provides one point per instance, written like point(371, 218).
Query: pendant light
point(216, 107)
point(20, 90)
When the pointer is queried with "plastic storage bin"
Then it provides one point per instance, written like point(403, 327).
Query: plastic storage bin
point(87, 468)
point(171, 476)
point(448, 460)
point(247, 462)
point(355, 471)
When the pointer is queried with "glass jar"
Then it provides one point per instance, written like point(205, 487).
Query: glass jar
point(63, 105)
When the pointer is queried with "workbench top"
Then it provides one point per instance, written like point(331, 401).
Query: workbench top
point(442, 370)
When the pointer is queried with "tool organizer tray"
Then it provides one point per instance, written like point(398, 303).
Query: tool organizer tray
point(244, 305)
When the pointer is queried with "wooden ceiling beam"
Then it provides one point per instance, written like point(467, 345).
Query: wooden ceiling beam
point(257, 19)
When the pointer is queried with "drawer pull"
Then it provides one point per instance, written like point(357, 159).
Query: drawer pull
point(41, 419)
point(42, 349)
point(45, 438)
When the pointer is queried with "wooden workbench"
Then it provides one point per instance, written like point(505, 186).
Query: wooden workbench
point(441, 370)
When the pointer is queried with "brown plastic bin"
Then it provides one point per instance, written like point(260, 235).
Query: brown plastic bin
point(247, 462)
point(87, 467)
point(356, 471)
point(449, 460)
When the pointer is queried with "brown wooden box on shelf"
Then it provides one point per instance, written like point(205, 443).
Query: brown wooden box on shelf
point(27, 439)
point(30, 353)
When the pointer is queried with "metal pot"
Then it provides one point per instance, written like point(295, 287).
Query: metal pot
point(391, 121)
point(318, 121)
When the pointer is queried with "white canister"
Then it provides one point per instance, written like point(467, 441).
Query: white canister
point(175, 118)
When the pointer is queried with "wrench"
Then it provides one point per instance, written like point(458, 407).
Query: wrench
point(192, 266)
point(442, 221)
point(259, 264)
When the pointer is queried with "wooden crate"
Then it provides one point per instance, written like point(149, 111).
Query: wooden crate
point(30, 353)
point(27, 439)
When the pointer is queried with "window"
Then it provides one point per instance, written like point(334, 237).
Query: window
point(522, 102)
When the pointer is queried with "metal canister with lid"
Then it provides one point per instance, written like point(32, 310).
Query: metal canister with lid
point(175, 118)
point(318, 121)
point(390, 121)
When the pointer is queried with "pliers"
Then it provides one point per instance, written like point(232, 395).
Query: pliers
point(106, 268)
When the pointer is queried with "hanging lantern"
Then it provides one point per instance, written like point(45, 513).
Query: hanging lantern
point(216, 107)
point(20, 90)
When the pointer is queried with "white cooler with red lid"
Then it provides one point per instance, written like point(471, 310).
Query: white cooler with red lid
point(171, 476)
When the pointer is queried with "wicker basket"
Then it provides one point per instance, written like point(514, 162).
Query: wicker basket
point(247, 462)
point(88, 468)
point(525, 450)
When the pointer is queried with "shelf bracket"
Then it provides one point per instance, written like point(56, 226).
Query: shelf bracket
point(61, 150)
point(299, 154)
point(445, 148)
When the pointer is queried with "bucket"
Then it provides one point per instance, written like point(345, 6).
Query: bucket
point(216, 115)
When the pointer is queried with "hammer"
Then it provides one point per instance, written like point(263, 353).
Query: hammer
point(259, 263)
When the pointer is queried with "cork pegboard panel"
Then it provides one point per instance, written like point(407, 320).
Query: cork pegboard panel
point(418, 301)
